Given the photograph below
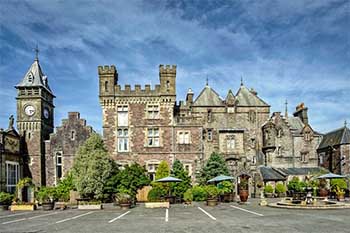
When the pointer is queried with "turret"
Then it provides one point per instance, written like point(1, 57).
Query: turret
point(167, 77)
point(108, 78)
point(189, 97)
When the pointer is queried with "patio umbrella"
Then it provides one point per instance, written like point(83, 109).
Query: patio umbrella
point(330, 176)
point(220, 178)
point(169, 179)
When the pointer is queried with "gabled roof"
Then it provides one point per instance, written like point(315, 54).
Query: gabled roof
point(35, 78)
point(208, 97)
point(246, 97)
point(296, 124)
point(230, 98)
point(336, 137)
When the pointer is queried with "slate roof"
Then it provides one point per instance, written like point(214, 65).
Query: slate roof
point(295, 124)
point(270, 174)
point(301, 170)
point(245, 97)
point(37, 76)
point(336, 137)
point(208, 97)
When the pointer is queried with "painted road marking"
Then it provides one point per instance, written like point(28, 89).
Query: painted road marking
point(23, 219)
point(11, 215)
point(120, 216)
point(75, 217)
point(252, 212)
point(209, 215)
point(166, 214)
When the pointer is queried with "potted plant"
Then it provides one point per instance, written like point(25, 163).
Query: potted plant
point(5, 200)
point(268, 191)
point(212, 195)
point(123, 198)
point(243, 190)
point(323, 192)
point(280, 189)
point(188, 197)
point(338, 186)
point(20, 203)
point(46, 197)
point(226, 190)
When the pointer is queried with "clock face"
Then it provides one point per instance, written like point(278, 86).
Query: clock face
point(46, 113)
point(29, 110)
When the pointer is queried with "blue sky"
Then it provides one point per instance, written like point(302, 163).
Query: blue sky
point(294, 50)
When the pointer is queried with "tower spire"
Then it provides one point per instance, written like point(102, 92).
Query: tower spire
point(345, 123)
point(286, 109)
point(36, 50)
point(241, 80)
point(207, 81)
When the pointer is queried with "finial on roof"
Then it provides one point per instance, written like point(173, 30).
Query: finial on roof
point(36, 49)
point(241, 80)
point(345, 124)
point(207, 81)
point(286, 110)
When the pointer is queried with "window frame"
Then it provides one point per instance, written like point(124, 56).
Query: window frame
point(58, 154)
point(123, 140)
point(16, 165)
point(153, 111)
point(153, 137)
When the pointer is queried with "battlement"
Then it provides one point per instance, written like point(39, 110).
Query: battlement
point(103, 70)
point(167, 69)
point(137, 90)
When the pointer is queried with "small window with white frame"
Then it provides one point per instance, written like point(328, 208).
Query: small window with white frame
point(153, 137)
point(123, 116)
point(123, 140)
point(230, 143)
point(153, 111)
point(12, 176)
point(184, 137)
point(59, 170)
point(151, 170)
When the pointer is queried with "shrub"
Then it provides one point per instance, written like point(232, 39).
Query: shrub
point(46, 194)
point(215, 166)
point(6, 198)
point(178, 171)
point(64, 187)
point(212, 191)
point(280, 188)
point(296, 185)
point(268, 189)
point(199, 193)
point(226, 187)
point(338, 185)
point(188, 195)
point(155, 194)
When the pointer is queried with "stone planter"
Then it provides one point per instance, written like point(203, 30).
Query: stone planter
point(17, 207)
point(243, 195)
point(281, 194)
point(90, 207)
point(341, 197)
point(269, 195)
point(4, 207)
point(228, 197)
point(60, 205)
point(212, 202)
point(157, 205)
point(125, 206)
point(48, 205)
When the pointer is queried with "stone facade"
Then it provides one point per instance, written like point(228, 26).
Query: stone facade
point(289, 141)
point(63, 145)
point(334, 151)
point(11, 159)
point(35, 119)
point(147, 126)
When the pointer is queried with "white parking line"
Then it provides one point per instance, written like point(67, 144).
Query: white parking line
point(23, 219)
point(11, 215)
point(166, 214)
point(120, 216)
point(209, 215)
point(252, 212)
point(75, 217)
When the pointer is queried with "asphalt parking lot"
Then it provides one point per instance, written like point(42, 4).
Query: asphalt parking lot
point(227, 217)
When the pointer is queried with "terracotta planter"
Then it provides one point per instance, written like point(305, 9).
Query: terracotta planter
point(48, 205)
point(323, 192)
point(125, 206)
point(212, 202)
point(341, 197)
point(243, 195)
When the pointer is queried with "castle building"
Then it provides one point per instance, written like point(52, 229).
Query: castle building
point(63, 145)
point(334, 151)
point(148, 126)
point(35, 119)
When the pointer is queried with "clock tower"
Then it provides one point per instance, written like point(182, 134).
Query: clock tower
point(35, 119)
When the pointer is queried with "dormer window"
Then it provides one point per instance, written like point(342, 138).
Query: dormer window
point(30, 78)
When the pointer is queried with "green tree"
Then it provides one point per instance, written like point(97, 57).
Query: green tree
point(163, 170)
point(215, 166)
point(178, 171)
point(132, 178)
point(92, 167)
